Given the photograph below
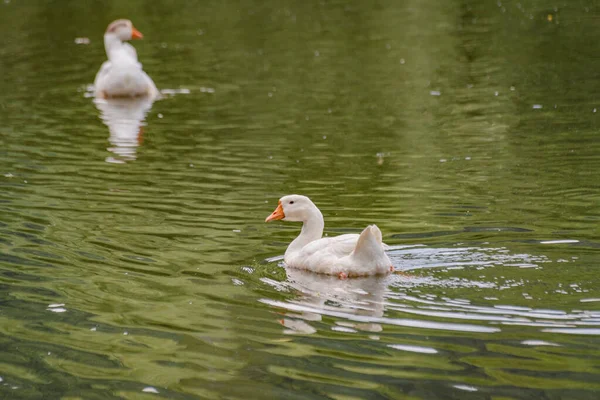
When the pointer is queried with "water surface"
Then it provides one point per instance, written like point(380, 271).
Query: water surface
point(134, 261)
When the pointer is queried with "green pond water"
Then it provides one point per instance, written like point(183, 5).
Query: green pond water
point(134, 258)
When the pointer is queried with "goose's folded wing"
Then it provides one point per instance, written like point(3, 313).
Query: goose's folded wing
point(103, 71)
point(338, 246)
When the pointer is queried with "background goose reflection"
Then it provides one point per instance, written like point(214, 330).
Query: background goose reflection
point(124, 118)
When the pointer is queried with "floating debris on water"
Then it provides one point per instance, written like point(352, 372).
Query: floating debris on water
point(82, 40)
point(537, 106)
point(435, 93)
point(150, 389)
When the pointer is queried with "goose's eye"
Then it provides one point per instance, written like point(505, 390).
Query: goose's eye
point(292, 202)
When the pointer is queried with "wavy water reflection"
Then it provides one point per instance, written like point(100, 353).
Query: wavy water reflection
point(125, 121)
point(414, 313)
point(366, 299)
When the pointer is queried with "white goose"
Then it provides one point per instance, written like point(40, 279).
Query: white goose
point(122, 74)
point(345, 255)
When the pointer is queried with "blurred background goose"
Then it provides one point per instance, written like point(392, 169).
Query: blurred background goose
point(122, 74)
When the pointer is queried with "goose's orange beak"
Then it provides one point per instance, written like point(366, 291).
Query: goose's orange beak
point(135, 34)
point(277, 214)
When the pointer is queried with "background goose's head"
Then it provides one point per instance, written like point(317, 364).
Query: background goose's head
point(294, 207)
point(123, 29)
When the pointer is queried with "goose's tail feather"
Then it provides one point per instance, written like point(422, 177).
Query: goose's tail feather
point(369, 245)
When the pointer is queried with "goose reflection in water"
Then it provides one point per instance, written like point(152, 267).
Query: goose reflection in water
point(125, 120)
point(358, 296)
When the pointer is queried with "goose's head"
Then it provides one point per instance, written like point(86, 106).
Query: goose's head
point(293, 208)
point(123, 29)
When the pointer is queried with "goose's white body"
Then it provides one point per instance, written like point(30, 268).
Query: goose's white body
point(122, 75)
point(346, 255)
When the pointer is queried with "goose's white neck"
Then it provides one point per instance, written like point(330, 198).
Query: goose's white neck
point(312, 229)
point(111, 44)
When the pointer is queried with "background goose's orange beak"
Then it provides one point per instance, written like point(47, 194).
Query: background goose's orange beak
point(135, 34)
point(277, 214)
